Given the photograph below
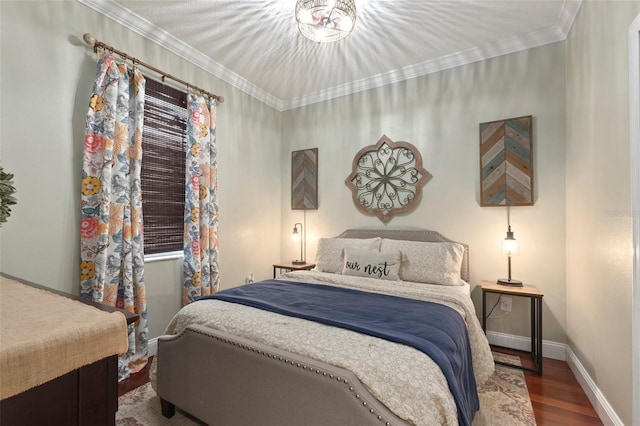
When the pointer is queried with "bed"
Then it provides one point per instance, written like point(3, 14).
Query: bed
point(289, 351)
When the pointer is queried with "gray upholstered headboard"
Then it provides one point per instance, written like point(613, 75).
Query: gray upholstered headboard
point(410, 235)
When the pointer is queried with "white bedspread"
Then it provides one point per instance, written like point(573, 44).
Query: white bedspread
point(406, 380)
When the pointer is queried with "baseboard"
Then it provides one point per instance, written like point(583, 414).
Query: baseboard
point(563, 352)
point(152, 346)
point(600, 404)
point(550, 349)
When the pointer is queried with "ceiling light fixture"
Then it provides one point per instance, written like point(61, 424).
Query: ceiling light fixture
point(325, 21)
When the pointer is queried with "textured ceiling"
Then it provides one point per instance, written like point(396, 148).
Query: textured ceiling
point(255, 45)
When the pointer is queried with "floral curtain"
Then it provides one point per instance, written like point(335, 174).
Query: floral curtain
point(111, 249)
point(201, 200)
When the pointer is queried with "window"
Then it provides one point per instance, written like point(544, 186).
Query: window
point(163, 167)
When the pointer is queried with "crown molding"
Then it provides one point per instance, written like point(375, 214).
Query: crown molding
point(488, 51)
point(146, 29)
point(568, 15)
point(143, 27)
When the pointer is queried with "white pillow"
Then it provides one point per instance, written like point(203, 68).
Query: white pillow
point(423, 262)
point(329, 254)
point(372, 264)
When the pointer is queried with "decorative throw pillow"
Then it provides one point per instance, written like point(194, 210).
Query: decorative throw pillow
point(372, 264)
point(424, 262)
point(330, 251)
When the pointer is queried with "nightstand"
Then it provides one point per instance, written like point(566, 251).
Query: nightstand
point(535, 296)
point(289, 266)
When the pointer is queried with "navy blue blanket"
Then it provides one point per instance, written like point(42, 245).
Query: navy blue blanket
point(437, 330)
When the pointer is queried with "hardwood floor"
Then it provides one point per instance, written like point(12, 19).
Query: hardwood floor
point(556, 397)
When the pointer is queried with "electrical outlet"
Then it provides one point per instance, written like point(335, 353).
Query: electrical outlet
point(505, 303)
point(249, 279)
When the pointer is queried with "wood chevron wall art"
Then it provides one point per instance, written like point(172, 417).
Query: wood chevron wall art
point(506, 162)
point(304, 179)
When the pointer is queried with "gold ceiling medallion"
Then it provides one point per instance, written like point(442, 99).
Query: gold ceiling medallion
point(387, 179)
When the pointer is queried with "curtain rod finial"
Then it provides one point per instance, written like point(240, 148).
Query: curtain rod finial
point(89, 39)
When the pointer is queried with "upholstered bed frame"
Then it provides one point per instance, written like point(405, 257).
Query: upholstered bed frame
point(227, 380)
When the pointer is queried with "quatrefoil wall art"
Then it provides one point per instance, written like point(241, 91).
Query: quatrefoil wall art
point(387, 179)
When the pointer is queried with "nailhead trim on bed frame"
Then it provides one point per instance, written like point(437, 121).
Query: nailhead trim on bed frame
point(331, 376)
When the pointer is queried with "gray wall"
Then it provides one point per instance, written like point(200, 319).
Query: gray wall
point(574, 244)
point(439, 114)
point(47, 76)
point(599, 237)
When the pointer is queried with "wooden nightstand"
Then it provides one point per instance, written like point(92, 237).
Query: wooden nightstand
point(535, 295)
point(289, 266)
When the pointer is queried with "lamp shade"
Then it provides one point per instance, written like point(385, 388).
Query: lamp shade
point(510, 245)
point(325, 21)
point(297, 236)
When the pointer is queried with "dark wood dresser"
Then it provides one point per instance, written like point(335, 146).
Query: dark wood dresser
point(85, 396)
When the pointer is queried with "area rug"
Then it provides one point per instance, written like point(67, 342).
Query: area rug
point(504, 400)
point(141, 407)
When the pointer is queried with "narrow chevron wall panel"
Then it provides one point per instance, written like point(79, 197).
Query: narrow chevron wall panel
point(304, 179)
point(506, 162)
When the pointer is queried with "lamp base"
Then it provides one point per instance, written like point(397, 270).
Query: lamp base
point(299, 262)
point(510, 283)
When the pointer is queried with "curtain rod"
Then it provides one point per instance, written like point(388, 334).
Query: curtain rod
point(91, 41)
